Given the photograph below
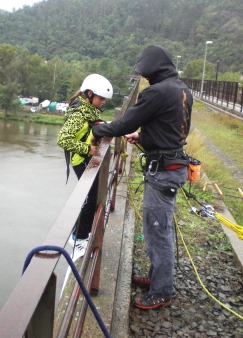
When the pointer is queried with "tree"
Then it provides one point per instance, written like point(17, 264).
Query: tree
point(8, 99)
point(7, 68)
point(228, 76)
point(194, 69)
point(8, 85)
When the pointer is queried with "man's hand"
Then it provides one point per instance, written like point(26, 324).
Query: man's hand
point(132, 138)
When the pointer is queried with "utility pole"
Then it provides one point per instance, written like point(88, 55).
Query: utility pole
point(217, 70)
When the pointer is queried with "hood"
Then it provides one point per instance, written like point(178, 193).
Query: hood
point(155, 64)
point(76, 102)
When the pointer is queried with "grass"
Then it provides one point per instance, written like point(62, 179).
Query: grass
point(108, 115)
point(25, 115)
point(224, 133)
point(47, 118)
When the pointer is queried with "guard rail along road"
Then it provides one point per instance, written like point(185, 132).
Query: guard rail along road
point(228, 95)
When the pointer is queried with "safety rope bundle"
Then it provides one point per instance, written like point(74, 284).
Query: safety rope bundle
point(238, 229)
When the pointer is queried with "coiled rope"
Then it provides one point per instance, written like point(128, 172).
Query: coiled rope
point(238, 229)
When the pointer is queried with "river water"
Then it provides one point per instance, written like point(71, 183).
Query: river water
point(32, 195)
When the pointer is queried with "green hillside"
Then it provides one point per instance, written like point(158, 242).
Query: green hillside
point(120, 29)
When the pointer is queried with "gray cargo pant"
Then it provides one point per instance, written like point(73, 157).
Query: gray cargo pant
point(158, 228)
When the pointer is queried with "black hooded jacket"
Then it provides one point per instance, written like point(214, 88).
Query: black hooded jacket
point(163, 110)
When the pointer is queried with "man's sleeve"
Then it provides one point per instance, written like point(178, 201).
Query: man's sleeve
point(134, 117)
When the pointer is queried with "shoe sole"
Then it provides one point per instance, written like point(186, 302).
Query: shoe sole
point(151, 307)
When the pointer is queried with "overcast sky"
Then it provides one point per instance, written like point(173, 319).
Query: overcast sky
point(8, 5)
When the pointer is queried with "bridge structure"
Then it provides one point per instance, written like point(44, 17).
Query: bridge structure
point(32, 310)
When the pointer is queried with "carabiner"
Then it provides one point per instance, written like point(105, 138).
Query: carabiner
point(152, 173)
point(207, 211)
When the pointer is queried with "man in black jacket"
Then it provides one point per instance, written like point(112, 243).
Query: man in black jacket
point(163, 112)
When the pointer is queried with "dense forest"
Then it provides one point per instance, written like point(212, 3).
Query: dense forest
point(119, 29)
point(58, 42)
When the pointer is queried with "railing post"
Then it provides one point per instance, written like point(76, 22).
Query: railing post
point(241, 100)
point(42, 323)
point(102, 193)
point(235, 94)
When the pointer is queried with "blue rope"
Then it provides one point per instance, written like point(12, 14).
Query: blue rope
point(78, 278)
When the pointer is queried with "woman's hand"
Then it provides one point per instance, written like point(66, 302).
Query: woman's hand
point(92, 149)
point(132, 138)
point(94, 141)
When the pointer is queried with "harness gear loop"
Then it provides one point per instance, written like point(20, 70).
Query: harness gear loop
point(161, 151)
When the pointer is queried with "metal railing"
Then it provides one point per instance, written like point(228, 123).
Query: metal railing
point(224, 93)
point(30, 310)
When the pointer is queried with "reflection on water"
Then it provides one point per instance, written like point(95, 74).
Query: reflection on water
point(28, 136)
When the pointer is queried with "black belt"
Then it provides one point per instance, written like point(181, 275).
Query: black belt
point(162, 151)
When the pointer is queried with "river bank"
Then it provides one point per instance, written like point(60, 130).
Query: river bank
point(46, 117)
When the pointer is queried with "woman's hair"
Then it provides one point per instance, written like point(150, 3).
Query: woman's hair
point(78, 93)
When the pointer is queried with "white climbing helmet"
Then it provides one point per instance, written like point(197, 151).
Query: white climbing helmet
point(98, 84)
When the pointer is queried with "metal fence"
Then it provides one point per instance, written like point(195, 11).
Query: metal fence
point(30, 310)
point(226, 94)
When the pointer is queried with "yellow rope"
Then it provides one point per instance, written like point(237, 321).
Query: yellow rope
point(124, 158)
point(231, 225)
point(224, 220)
point(198, 277)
